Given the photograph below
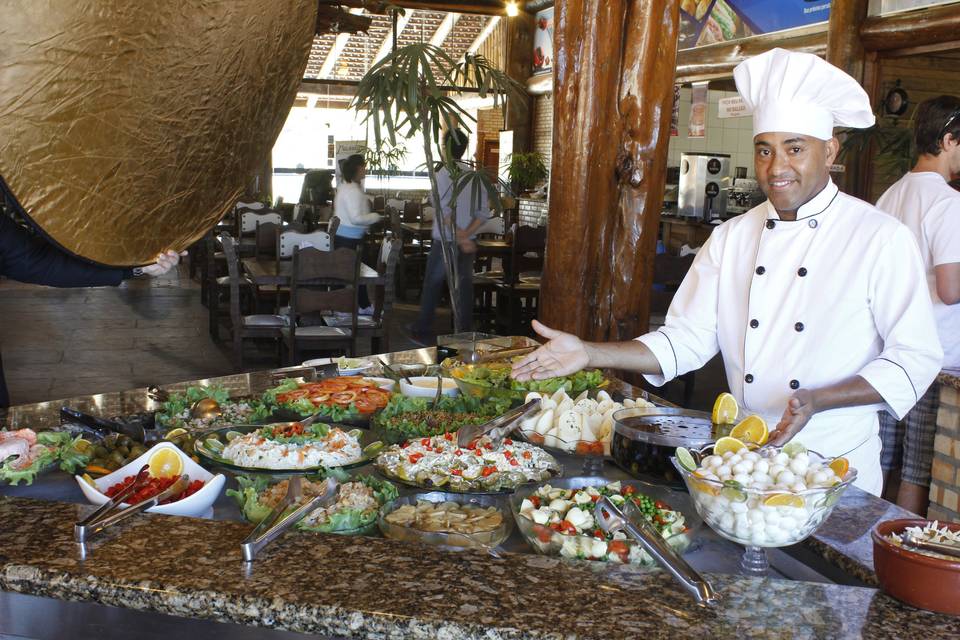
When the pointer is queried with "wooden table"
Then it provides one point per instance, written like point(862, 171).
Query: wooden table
point(417, 228)
point(269, 272)
point(493, 247)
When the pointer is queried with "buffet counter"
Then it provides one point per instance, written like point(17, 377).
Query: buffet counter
point(366, 587)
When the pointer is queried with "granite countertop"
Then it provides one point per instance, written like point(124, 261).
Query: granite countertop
point(949, 379)
point(370, 587)
point(376, 588)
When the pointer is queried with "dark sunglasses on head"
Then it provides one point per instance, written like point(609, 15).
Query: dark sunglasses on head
point(946, 125)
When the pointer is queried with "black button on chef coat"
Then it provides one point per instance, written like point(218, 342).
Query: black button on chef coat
point(802, 271)
point(748, 378)
point(761, 271)
point(754, 323)
point(771, 224)
point(794, 384)
point(798, 326)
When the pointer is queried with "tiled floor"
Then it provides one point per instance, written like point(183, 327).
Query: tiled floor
point(58, 343)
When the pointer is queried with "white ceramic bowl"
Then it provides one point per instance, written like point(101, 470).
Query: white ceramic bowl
point(343, 372)
point(199, 505)
point(429, 388)
point(384, 383)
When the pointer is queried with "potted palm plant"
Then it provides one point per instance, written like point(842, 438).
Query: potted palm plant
point(404, 94)
point(527, 170)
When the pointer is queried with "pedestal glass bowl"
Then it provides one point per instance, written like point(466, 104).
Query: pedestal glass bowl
point(741, 515)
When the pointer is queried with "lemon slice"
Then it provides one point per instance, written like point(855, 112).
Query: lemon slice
point(86, 478)
point(175, 433)
point(751, 429)
point(165, 463)
point(727, 444)
point(840, 466)
point(794, 448)
point(685, 458)
point(783, 500)
point(725, 409)
point(81, 446)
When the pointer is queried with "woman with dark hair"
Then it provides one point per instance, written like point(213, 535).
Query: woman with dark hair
point(353, 209)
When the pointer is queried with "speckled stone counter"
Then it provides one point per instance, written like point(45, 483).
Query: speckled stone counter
point(374, 588)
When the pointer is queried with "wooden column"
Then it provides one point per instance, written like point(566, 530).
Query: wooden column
point(845, 51)
point(518, 57)
point(844, 48)
point(614, 66)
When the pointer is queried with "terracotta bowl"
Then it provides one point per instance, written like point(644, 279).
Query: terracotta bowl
point(915, 578)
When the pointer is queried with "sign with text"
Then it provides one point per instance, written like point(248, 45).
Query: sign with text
point(704, 22)
point(543, 41)
point(733, 107)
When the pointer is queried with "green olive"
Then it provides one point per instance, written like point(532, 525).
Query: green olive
point(100, 451)
point(137, 451)
point(112, 465)
point(117, 457)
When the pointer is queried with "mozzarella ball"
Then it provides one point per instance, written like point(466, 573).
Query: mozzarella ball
point(799, 465)
point(782, 458)
point(712, 461)
point(738, 507)
point(742, 478)
point(775, 470)
point(752, 456)
point(744, 466)
point(786, 477)
point(726, 521)
point(772, 518)
point(723, 472)
point(798, 486)
point(734, 459)
point(727, 455)
point(761, 466)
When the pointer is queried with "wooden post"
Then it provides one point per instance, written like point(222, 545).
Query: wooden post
point(614, 66)
point(518, 57)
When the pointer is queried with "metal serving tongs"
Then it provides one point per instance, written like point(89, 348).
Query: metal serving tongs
point(912, 541)
point(276, 523)
point(479, 357)
point(498, 428)
point(105, 515)
point(611, 519)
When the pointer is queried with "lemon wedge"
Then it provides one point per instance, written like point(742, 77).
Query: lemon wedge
point(751, 429)
point(725, 409)
point(728, 444)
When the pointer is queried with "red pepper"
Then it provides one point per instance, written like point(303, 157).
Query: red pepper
point(456, 472)
point(478, 452)
point(458, 452)
point(595, 498)
point(513, 461)
point(448, 436)
point(507, 441)
point(567, 527)
point(489, 446)
point(488, 471)
point(425, 441)
point(526, 455)
point(544, 534)
point(507, 454)
point(535, 500)
point(661, 505)
point(598, 534)
point(628, 490)
point(415, 457)
point(620, 548)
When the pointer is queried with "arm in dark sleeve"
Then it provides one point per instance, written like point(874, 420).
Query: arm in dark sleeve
point(29, 259)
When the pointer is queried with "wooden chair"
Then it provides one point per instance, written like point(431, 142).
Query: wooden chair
point(289, 241)
point(245, 237)
point(379, 202)
point(314, 273)
point(519, 294)
point(246, 327)
point(377, 326)
point(266, 237)
point(668, 273)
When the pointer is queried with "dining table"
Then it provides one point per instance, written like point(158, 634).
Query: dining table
point(272, 272)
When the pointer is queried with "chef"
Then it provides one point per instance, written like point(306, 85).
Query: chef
point(810, 297)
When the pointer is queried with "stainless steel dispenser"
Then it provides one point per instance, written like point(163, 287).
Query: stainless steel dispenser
point(704, 183)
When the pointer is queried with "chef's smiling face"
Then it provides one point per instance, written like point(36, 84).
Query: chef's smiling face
point(792, 168)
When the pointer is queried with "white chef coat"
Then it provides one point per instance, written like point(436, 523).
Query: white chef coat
point(806, 304)
point(930, 208)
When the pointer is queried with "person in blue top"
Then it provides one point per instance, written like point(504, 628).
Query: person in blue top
point(352, 207)
point(29, 259)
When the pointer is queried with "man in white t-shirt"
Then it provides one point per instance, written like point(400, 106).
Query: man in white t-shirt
point(924, 201)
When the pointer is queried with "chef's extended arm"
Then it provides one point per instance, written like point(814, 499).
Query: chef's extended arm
point(902, 311)
point(688, 339)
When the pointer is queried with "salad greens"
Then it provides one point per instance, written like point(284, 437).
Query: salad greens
point(406, 417)
point(343, 519)
point(61, 448)
point(497, 376)
point(175, 412)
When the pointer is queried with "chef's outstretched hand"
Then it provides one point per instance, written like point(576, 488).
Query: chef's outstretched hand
point(800, 408)
point(564, 354)
point(165, 262)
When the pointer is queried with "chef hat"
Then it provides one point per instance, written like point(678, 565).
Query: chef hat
point(796, 92)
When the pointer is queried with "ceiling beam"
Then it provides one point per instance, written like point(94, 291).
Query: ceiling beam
point(443, 30)
point(335, 50)
point(487, 30)
point(484, 7)
point(387, 44)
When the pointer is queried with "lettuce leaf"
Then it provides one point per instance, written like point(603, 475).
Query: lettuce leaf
point(61, 447)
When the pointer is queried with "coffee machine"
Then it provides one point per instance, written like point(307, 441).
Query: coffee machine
point(704, 183)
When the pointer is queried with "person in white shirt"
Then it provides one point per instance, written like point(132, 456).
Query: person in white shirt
point(925, 202)
point(810, 297)
point(352, 208)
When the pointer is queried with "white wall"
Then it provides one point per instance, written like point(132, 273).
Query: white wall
point(728, 135)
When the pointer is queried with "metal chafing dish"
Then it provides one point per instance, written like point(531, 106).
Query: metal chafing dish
point(644, 439)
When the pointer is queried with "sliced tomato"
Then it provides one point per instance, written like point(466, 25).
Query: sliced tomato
point(344, 397)
point(620, 548)
point(544, 534)
point(365, 406)
point(567, 527)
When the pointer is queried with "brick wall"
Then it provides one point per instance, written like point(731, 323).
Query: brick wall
point(543, 126)
point(532, 212)
point(489, 121)
point(945, 485)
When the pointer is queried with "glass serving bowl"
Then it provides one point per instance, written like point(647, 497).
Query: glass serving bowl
point(740, 515)
point(481, 539)
point(549, 542)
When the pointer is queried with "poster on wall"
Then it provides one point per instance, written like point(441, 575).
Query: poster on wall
point(704, 22)
point(543, 41)
point(883, 7)
point(345, 149)
point(697, 127)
